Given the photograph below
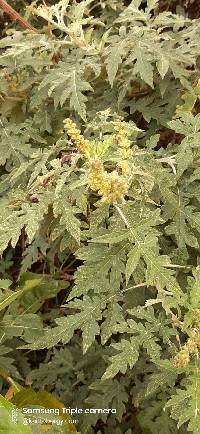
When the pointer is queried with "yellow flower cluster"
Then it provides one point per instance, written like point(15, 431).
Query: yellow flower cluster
point(113, 188)
point(78, 139)
point(110, 186)
point(123, 147)
point(190, 349)
point(124, 166)
point(182, 358)
point(122, 140)
point(96, 174)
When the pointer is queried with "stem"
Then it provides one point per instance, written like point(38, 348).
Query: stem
point(15, 16)
point(135, 286)
point(9, 380)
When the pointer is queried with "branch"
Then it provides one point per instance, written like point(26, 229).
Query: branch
point(15, 16)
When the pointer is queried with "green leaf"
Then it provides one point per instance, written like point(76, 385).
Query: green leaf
point(86, 320)
point(10, 226)
point(133, 260)
point(78, 86)
point(185, 403)
point(143, 65)
point(5, 283)
point(195, 291)
point(113, 60)
point(162, 65)
point(9, 296)
point(112, 237)
point(67, 218)
point(127, 357)
point(157, 381)
point(45, 287)
point(114, 316)
point(109, 394)
point(151, 5)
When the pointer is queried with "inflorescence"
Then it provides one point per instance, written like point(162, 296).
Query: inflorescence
point(113, 186)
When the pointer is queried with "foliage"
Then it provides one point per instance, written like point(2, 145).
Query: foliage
point(100, 216)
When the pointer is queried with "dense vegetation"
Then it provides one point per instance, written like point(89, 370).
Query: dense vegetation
point(100, 216)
